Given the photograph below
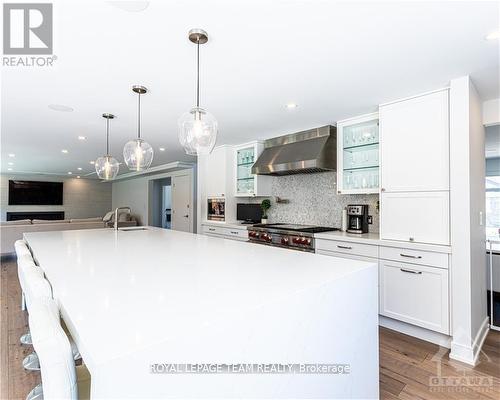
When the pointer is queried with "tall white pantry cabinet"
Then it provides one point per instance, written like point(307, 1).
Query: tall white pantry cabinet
point(414, 169)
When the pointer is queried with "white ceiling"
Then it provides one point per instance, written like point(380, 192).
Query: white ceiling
point(334, 59)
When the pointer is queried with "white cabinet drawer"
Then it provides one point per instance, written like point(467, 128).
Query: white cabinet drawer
point(421, 217)
point(213, 230)
point(415, 294)
point(344, 255)
point(239, 234)
point(366, 250)
point(431, 258)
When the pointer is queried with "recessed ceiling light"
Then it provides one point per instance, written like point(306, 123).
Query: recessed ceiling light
point(79, 168)
point(493, 35)
point(162, 149)
point(82, 137)
point(9, 169)
point(70, 173)
point(60, 107)
point(10, 163)
point(12, 155)
point(78, 177)
point(92, 162)
point(291, 105)
point(64, 151)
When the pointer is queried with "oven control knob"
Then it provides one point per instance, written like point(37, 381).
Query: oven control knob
point(308, 242)
point(296, 240)
point(284, 240)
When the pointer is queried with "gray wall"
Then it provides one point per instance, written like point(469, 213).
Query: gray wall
point(136, 193)
point(82, 198)
point(313, 200)
point(132, 193)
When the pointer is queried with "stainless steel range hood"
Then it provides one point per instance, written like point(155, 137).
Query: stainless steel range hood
point(314, 150)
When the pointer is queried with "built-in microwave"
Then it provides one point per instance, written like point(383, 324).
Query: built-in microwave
point(216, 209)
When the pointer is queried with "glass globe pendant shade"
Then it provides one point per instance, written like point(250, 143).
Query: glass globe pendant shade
point(197, 131)
point(106, 167)
point(138, 154)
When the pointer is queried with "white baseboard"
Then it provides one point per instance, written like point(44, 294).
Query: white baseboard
point(470, 354)
point(415, 331)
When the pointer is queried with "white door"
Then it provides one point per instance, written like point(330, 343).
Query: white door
point(414, 144)
point(421, 217)
point(415, 294)
point(181, 203)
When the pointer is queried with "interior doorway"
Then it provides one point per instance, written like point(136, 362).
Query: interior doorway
point(182, 218)
point(161, 203)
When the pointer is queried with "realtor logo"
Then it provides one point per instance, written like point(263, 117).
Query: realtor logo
point(27, 28)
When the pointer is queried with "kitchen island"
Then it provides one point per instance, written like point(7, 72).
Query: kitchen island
point(137, 301)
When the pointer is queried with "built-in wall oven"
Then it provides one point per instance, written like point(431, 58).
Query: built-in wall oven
point(216, 209)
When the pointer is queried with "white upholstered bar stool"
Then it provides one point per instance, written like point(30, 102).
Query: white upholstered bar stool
point(22, 252)
point(61, 379)
point(36, 288)
point(26, 264)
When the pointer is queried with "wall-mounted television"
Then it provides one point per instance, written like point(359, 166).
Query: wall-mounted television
point(35, 193)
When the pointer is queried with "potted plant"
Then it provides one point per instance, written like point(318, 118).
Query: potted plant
point(265, 205)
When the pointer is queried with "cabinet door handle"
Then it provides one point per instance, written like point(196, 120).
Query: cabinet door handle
point(211, 229)
point(410, 271)
point(409, 256)
point(344, 247)
point(382, 189)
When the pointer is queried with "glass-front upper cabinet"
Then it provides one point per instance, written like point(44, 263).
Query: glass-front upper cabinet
point(248, 184)
point(358, 155)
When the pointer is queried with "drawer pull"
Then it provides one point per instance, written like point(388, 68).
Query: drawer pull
point(409, 256)
point(411, 271)
point(234, 232)
point(211, 229)
point(344, 247)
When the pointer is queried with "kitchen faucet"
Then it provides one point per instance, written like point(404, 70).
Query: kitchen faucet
point(116, 215)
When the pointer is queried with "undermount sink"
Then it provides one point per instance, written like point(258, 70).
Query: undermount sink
point(133, 229)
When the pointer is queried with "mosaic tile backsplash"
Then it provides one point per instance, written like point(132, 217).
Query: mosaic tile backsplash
point(313, 200)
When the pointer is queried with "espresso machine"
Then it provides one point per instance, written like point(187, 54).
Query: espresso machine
point(357, 218)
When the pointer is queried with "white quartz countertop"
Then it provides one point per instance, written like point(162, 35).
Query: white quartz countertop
point(374, 239)
point(126, 289)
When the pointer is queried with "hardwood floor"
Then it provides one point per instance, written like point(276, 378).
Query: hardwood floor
point(409, 368)
point(15, 382)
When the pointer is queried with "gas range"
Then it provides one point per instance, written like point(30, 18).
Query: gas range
point(293, 236)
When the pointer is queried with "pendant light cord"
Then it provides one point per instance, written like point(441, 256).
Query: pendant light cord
point(198, 73)
point(139, 117)
point(107, 136)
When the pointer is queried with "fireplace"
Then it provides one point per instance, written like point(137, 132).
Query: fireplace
point(51, 215)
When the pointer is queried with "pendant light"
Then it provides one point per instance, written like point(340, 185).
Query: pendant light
point(137, 153)
point(106, 166)
point(197, 127)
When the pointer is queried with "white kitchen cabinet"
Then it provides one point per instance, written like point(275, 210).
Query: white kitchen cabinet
point(415, 294)
point(358, 155)
point(226, 232)
point(421, 217)
point(429, 258)
point(215, 180)
point(246, 183)
point(414, 144)
point(216, 172)
point(338, 246)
